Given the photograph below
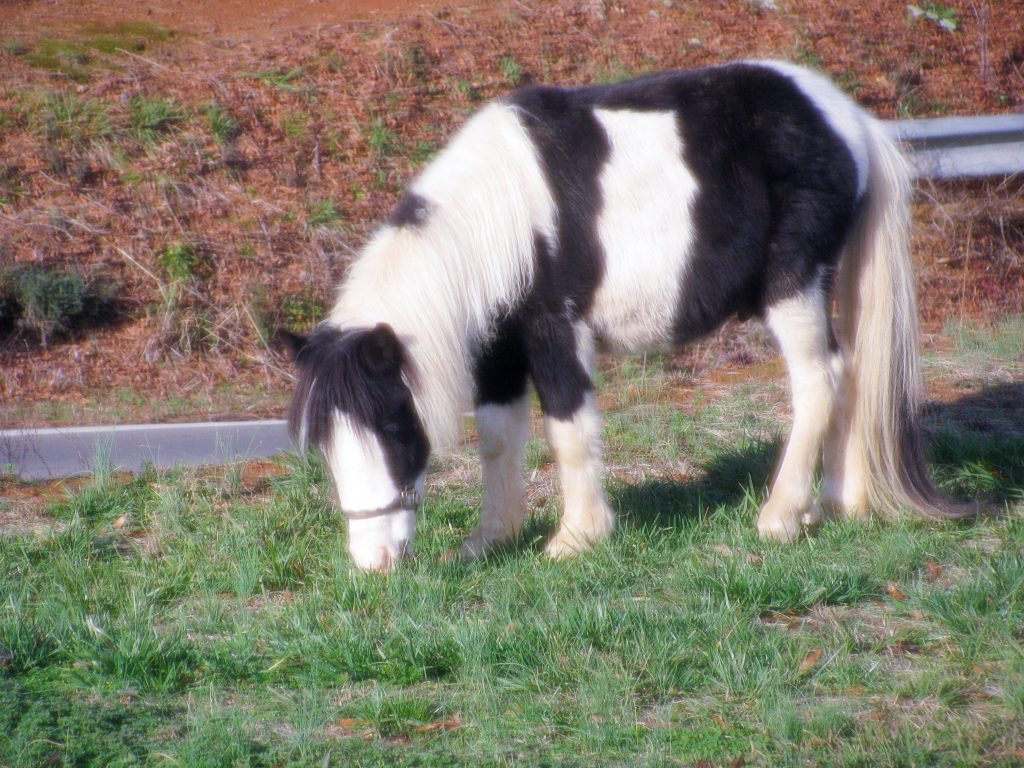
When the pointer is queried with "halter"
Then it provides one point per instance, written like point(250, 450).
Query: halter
point(407, 499)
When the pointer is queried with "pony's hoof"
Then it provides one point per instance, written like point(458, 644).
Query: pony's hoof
point(780, 528)
point(779, 532)
point(479, 544)
point(561, 548)
point(567, 543)
point(475, 548)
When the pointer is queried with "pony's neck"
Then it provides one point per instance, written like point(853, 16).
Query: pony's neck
point(442, 280)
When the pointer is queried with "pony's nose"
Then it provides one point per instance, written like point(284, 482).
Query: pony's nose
point(387, 559)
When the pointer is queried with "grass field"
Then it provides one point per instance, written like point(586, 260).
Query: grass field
point(212, 618)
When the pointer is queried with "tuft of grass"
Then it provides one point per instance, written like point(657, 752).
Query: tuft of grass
point(15, 47)
point(295, 125)
point(180, 262)
point(61, 56)
point(512, 70)
point(74, 58)
point(153, 117)
point(76, 120)
point(383, 142)
point(286, 80)
point(943, 16)
point(323, 213)
point(224, 126)
point(301, 311)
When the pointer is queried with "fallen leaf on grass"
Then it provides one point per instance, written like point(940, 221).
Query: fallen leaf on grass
point(810, 661)
point(894, 592)
point(933, 571)
point(450, 724)
point(121, 522)
point(721, 549)
point(350, 727)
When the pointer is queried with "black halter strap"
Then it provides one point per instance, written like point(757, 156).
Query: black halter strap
point(408, 499)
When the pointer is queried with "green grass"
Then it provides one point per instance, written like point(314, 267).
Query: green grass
point(209, 619)
point(284, 80)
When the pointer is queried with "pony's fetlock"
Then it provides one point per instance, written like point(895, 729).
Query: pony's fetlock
point(492, 532)
point(582, 532)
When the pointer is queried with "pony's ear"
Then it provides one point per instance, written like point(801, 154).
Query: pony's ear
point(293, 342)
point(380, 351)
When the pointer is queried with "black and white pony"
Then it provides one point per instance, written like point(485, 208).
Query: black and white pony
point(629, 217)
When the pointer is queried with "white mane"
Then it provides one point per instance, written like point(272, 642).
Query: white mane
point(442, 282)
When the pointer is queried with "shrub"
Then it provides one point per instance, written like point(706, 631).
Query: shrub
point(46, 301)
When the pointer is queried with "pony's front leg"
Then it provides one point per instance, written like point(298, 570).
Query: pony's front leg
point(503, 430)
point(576, 444)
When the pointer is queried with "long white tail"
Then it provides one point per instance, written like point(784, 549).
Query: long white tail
point(884, 465)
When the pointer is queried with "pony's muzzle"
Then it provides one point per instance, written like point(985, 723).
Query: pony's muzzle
point(386, 558)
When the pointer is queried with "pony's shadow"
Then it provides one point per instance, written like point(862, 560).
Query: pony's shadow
point(727, 480)
point(980, 435)
point(984, 429)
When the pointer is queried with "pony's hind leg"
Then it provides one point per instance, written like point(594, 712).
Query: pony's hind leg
point(844, 486)
point(801, 327)
point(503, 430)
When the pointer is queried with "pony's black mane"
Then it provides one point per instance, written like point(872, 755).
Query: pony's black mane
point(326, 364)
point(362, 373)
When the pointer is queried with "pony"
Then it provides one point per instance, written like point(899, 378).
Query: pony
point(632, 217)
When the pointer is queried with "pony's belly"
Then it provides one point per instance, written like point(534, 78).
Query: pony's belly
point(627, 324)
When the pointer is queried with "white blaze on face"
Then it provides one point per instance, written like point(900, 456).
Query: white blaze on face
point(361, 476)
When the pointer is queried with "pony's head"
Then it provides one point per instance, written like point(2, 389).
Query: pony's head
point(353, 401)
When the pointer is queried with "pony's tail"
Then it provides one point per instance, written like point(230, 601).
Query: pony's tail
point(877, 330)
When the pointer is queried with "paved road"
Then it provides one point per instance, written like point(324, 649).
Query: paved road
point(38, 454)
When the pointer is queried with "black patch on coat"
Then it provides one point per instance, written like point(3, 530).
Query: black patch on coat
point(502, 366)
point(411, 211)
point(360, 373)
point(573, 149)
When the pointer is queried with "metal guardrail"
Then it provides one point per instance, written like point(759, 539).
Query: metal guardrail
point(39, 454)
point(958, 147)
point(943, 148)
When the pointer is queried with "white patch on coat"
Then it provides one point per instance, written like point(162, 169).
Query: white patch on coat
point(363, 482)
point(442, 283)
point(838, 109)
point(645, 227)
